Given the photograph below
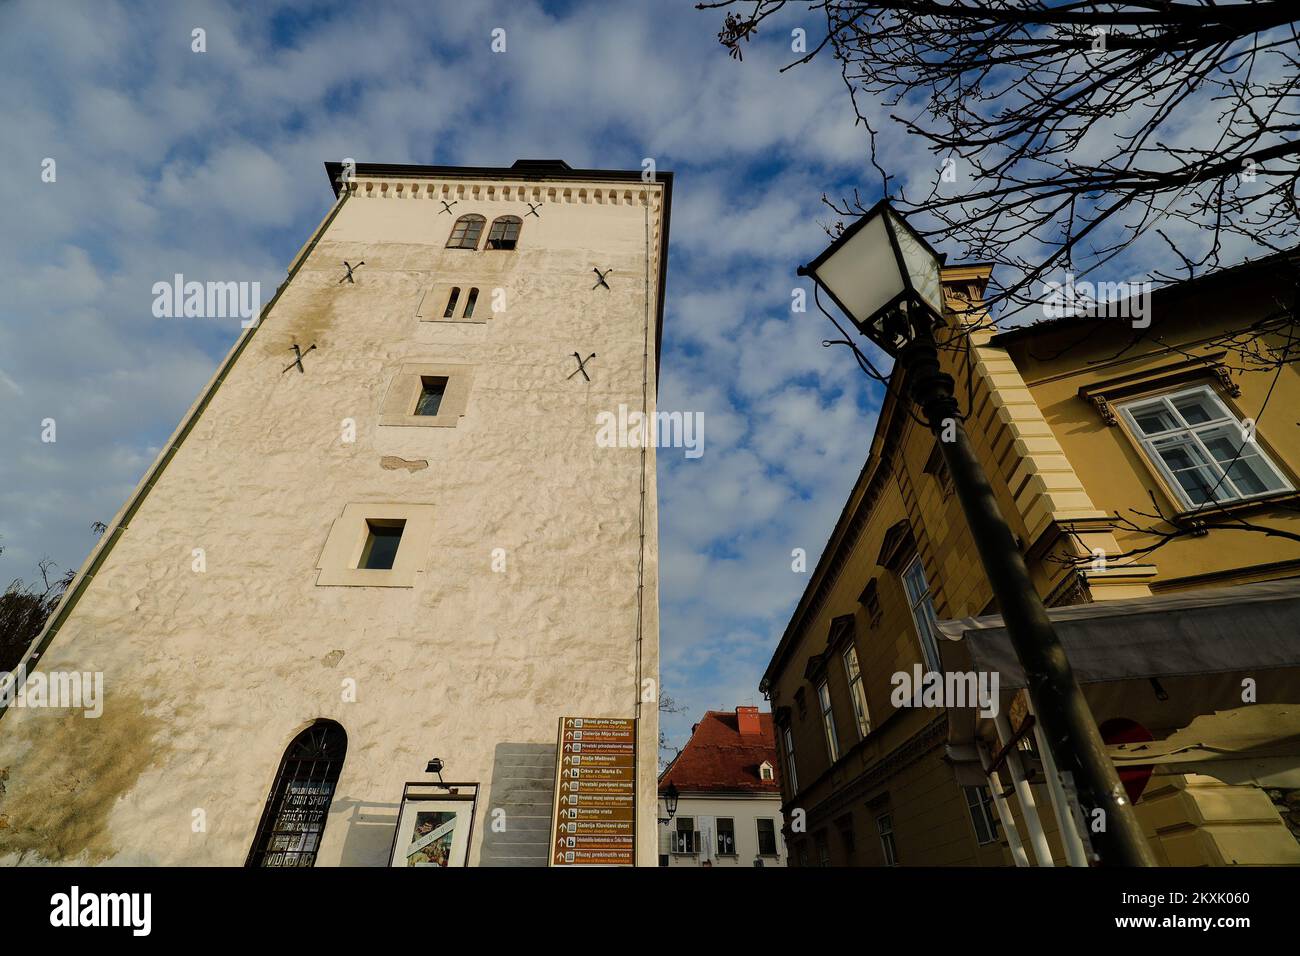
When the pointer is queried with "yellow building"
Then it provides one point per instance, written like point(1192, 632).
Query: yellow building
point(1149, 474)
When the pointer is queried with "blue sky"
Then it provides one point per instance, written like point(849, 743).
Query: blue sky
point(209, 164)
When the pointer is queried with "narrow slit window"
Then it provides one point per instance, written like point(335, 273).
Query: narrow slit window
point(382, 541)
point(504, 233)
point(470, 301)
point(432, 389)
point(451, 302)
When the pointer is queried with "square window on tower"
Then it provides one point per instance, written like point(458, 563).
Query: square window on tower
point(432, 389)
point(383, 537)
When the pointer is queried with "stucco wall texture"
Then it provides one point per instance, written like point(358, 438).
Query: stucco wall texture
point(209, 675)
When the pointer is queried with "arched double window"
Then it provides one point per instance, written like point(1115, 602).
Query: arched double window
point(504, 233)
point(466, 232)
point(293, 821)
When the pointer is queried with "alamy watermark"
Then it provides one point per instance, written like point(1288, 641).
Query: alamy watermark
point(1098, 300)
point(922, 688)
point(69, 690)
point(207, 300)
point(635, 429)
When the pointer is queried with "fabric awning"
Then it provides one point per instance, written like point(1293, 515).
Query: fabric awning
point(1210, 631)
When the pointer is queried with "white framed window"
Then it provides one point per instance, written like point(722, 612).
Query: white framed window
point(726, 836)
point(686, 839)
point(1201, 449)
point(922, 604)
point(790, 770)
point(375, 544)
point(765, 771)
point(982, 815)
point(885, 827)
point(828, 721)
point(766, 836)
point(857, 692)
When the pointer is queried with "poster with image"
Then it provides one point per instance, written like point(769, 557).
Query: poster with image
point(432, 831)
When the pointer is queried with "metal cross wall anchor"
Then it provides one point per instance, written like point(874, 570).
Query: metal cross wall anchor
point(582, 366)
point(446, 206)
point(297, 358)
point(532, 209)
point(600, 277)
point(348, 277)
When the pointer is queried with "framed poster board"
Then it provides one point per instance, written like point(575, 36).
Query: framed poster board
point(435, 822)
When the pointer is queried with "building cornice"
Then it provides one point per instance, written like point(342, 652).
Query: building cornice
point(527, 181)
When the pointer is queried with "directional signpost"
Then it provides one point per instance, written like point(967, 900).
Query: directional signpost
point(595, 793)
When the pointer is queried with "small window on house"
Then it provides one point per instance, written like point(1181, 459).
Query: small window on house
point(936, 466)
point(857, 693)
point(382, 540)
point(1201, 448)
point(870, 599)
point(766, 837)
point(432, 388)
point(470, 302)
point(504, 233)
point(790, 771)
point(922, 604)
point(726, 837)
point(687, 839)
point(452, 298)
point(765, 771)
point(847, 837)
point(465, 233)
point(885, 827)
point(828, 721)
point(982, 815)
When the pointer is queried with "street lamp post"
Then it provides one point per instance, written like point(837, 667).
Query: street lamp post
point(670, 796)
point(885, 278)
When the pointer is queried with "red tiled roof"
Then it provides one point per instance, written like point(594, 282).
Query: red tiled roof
point(719, 758)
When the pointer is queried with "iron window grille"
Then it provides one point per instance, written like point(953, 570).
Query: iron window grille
point(293, 820)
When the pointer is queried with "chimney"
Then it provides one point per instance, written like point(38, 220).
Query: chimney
point(747, 721)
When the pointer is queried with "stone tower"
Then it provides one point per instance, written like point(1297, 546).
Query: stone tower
point(405, 544)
